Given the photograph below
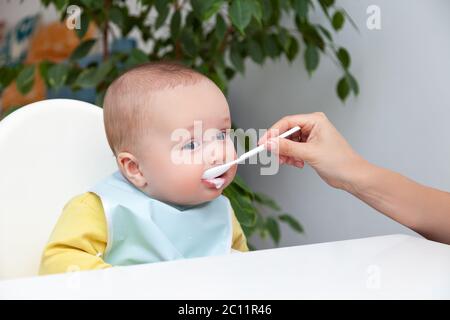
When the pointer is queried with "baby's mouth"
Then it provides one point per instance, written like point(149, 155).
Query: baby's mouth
point(216, 182)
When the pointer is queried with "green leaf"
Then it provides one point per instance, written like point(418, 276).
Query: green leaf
point(7, 75)
point(25, 79)
point(240, 184)
point(175, 24)
point(284, 39)
point(86, 79)
point(343, 57)
point(267, 201)
point(338, 20)
point(326, 33)
point(161, 18)
point(270, 45)
point(256, 10)
point(57, 75)
point(242, 206)
point(345, 84)
point(301, 8)
point(72, 75)
point(82, 50)
point(327, 3)
point(43, 70)
point(116, 15)
point(163, 11)
point(236, 58)
point(136, 57)
point(343, 88)
point(276, 13)
point(161, 5)
point(84, 25)
point(353, 84)
point(273, 228)
point(292, 222)
point(240, 13)
point(311, 58)
point(205, 9)
point(293, 49)
point(103, 70)
point(310, 34)
point(267, 10)
point(221, 27)
point(99, 99)
point(189, 44)
point(255, 51)
point(89, 3)
point(60, 4)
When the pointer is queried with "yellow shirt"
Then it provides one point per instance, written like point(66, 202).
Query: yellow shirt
point(79, 238)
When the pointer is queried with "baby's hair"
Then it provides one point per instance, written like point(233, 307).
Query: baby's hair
point(127, 100)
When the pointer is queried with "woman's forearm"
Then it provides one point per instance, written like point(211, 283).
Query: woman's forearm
point(423, 209)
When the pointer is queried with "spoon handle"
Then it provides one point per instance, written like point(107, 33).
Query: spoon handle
point(250, 153)
point(262, 147)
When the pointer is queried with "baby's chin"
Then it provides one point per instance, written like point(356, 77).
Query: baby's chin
point(204, 191)
point(200, 197)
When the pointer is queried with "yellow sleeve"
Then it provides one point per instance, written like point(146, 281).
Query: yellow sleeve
point(79, 238)
point(239, 241)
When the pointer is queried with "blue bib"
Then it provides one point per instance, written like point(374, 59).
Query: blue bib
point(144, 230)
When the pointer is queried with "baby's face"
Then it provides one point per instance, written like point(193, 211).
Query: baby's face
point(172, 157)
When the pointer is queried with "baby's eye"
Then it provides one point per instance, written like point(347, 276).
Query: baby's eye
point(222, 135)
point(191, 145)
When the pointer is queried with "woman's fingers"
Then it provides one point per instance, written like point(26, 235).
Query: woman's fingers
point(299, 164)
point(305, 121)
point(286, 160)
point(298, 151)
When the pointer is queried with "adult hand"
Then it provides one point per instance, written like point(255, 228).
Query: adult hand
point(319, 144)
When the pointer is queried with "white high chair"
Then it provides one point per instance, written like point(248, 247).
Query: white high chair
point(50, 151)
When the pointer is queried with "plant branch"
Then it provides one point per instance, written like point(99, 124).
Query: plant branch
point(106, 29)
point(224, 43)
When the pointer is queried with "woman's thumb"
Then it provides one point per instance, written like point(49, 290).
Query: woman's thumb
point(289, 148)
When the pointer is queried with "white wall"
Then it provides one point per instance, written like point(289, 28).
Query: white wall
point(400, 120)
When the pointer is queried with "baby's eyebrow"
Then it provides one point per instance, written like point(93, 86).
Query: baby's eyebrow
point(226, 120)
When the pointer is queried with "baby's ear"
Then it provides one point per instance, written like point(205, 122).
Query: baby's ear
point(129, 166)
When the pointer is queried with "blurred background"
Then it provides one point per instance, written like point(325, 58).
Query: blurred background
point(399, 119)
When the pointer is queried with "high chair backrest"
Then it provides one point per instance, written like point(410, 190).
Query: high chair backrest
point(50, 151)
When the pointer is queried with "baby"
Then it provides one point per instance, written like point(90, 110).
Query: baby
point(156, 207)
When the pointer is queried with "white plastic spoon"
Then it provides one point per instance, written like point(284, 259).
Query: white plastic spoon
point(219, 170)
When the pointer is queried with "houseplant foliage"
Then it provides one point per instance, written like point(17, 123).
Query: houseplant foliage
point(215, 37)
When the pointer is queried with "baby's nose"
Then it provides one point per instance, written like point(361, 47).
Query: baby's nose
point(216, 154)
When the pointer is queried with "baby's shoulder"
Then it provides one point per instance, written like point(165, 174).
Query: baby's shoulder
point(87, 199)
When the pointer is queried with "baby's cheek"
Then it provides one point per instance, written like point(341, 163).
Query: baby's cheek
point(189, 178)
point(231, 152)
